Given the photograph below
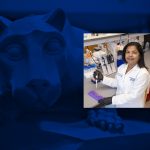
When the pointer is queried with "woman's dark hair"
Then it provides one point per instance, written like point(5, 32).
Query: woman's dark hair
point(141, 62)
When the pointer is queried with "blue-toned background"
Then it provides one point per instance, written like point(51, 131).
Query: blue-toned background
point(41, 61)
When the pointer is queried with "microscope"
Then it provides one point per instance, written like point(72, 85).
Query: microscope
point(97, 58)
point(105, 65)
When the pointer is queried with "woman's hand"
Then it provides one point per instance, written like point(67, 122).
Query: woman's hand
point(103, 102)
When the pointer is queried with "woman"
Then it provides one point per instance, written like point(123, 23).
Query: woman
point(132, 79)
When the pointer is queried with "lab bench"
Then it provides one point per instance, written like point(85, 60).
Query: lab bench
point(101, 89)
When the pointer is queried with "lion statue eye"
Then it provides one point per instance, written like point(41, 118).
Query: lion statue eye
point(54, 47)
point(14, 52)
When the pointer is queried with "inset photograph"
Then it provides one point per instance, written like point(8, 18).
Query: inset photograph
point(116, 70)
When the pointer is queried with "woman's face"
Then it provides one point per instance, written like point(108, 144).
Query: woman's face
point(132, 55)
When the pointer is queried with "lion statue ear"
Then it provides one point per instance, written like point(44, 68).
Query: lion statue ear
point(57, 19)
point(4, 23)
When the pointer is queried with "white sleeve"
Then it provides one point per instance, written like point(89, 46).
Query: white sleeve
point(112, 82)
point(137, 92)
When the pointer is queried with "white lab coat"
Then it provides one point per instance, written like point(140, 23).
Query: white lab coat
point(131, 87)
